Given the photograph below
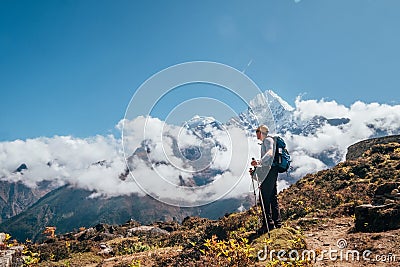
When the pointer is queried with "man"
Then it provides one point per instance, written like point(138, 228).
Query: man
point(268, 187)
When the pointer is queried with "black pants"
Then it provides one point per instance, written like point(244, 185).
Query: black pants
point(269, 194)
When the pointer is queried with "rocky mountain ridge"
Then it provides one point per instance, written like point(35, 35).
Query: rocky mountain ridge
point(356, 150)
point(16, 197)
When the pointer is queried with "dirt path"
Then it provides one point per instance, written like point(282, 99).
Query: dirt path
point(334, 236)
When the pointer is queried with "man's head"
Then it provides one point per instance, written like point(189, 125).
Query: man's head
point(262, 131)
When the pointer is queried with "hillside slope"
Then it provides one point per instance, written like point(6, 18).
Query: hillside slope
point(68, 209)
point(323, 205)
point(337, 191)
point(15, 197)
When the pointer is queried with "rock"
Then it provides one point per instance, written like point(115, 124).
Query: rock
point(377, 218)
point(388, 201)
point(383, 214)
point(101, 227)
point(385, 192)
point(2, 238)
point(3, 245)
point(6, 258)
point(394, 192)
point(11, 257)
point(303, 222)
point(86, 234)
point(157, 230)
point(105, 249)
point(386, 188)
point(21, 168)
point(145, 228)
point(356, 150)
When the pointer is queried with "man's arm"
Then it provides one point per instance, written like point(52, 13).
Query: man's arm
point(268, 157)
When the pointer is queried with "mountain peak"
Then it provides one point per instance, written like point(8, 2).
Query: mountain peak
point(201, 119)
point(199, 122)
point(21, 168)
point(271, 99)
point(272, 96)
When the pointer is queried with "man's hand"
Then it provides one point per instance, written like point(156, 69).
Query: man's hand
point(255, 162)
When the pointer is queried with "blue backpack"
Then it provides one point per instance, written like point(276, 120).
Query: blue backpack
point(282, 157)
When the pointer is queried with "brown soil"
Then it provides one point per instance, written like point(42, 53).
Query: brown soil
point(326, 235)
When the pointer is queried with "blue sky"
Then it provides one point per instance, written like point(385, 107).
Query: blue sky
point(71, 67)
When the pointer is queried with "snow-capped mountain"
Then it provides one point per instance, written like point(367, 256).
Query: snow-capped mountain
point(270, 109)
point(202, 122)
point(193, 150)
point(203, 126)
point(266, 108)
point(269, 103)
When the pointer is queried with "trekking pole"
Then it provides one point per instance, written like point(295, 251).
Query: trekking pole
point(254, 188)
point(261, 200)
point(263, 211)
point(255, 194)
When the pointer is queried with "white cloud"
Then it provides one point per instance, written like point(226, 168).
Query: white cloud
point(65, 159)
point(306, 109)
point(366, 121)
point(227, 151)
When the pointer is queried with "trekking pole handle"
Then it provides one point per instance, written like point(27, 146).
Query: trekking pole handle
point(252, 170)
point(254, 160)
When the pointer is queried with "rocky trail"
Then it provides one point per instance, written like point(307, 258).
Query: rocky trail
point(337, 235)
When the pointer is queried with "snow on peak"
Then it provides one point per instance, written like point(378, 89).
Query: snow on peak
point(200, 121)
point(258, 101)
point(271, 99)
point(271, 95)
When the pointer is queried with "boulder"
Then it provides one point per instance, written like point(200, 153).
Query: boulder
point(146, 229)
point(2, 237)
point(377, 218)
point(384, 212)
point(6, 258)
point(11, 257)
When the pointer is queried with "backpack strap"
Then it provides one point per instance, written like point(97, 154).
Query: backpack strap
point(276, 157)
point(275, 150)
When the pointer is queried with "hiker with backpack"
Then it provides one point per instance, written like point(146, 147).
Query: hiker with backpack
point(268, 180)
